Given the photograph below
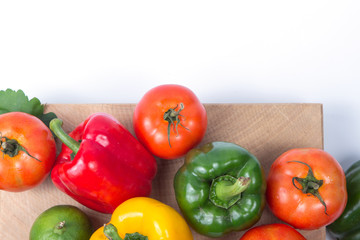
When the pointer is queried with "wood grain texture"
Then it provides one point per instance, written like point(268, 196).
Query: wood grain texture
point(266, 130)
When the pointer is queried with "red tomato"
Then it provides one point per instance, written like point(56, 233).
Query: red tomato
point(306, 188)
point(28, 151)
point(274, 231)
point(169, 120)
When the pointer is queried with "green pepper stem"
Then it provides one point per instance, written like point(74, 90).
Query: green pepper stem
point(226, 190)
point(55, 126)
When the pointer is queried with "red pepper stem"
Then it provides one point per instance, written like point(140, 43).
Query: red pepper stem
point(55, 126)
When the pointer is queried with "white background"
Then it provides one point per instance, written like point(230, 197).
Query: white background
point(225, 51)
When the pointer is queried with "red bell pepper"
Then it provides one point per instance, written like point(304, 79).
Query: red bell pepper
point(101, 163)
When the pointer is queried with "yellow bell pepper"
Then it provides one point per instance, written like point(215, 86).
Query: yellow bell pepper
point(145, 216)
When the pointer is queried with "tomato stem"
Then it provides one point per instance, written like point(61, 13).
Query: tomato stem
point(172, 116)
point(309, 184)
point(55, 126)
point(12, 147)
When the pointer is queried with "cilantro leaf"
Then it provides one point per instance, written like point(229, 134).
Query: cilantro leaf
point(12, 101)
point(46, 118)
point(17, 101)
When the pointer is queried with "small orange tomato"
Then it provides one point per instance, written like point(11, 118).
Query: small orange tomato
point(274, 231)
point(169, 120)
point(28, 151)
point(306, 188)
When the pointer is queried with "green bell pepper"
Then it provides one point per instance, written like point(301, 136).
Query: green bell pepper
point(347, 226)
point(220, 188)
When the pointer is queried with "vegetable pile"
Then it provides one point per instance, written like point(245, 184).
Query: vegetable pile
point(220, 188)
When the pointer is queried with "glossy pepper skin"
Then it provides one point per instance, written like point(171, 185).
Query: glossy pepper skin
point(347, 226)
point(220, 188)
point(109, 167)
point(145, 216)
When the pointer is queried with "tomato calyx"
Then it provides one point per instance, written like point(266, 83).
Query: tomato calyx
point(172, 116)
point(11, 147)
point(111, 233)
point(310, 184)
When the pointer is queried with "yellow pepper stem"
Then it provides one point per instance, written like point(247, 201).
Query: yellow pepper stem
point(111, 233)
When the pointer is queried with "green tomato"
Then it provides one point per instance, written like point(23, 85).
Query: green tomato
point(61, 222)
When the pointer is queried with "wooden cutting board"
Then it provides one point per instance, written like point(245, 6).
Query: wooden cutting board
point(266, 130)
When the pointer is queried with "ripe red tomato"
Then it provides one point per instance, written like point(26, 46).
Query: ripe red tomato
point(274, 231)
point(306, 188)
point(28, 151)
point(169, 120)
